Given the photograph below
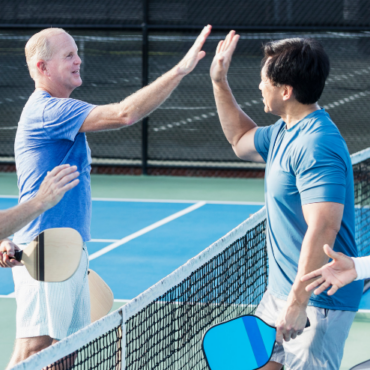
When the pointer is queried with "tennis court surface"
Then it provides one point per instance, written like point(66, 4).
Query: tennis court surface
point(137, 243)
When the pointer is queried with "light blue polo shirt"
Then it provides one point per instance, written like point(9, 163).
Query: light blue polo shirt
point(309, 163)
point(47, 136)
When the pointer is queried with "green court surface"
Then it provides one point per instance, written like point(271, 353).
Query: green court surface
point(176, 188)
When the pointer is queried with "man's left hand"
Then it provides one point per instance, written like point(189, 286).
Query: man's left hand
point(291, 322)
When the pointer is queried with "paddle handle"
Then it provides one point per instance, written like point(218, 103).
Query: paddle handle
point(308, 324)
point(17, 256)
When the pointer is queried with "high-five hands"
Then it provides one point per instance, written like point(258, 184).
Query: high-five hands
point(338, 273)
point(221, 61)
point(195, 54)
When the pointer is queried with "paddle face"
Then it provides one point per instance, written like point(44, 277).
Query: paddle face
point(362, 366)
point(244, 343)
point(54, 255)
point(101, 296)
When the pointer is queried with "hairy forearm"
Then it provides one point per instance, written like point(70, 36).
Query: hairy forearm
point(235, 123)
point(13, 219)
point(146, 100)
point(312, 257)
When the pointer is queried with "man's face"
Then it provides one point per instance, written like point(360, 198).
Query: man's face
point(64, 67)
point(272, 95)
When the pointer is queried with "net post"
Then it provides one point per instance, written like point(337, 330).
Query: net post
point(145, 79)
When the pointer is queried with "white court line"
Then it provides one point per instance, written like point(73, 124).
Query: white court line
point(146, 230)
point(104, 240)
point(174, 201)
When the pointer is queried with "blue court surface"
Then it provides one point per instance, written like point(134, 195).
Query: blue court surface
point(152, 239)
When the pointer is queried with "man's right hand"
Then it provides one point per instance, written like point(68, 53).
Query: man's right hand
point(56, 183)
point(7, 249)
point(221, 61)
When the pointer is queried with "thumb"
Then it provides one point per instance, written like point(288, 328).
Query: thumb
point(331, 253)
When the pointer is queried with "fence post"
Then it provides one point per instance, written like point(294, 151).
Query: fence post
point(145, 79)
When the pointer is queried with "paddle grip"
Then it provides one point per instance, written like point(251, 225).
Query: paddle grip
point(308, 324)
point(17, 256)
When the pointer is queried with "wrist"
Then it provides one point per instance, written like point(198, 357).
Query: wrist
point(298, 298)
point(38, 204)
point(221, 84)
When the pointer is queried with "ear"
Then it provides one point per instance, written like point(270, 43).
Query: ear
point(41, 67)
point(287, 92)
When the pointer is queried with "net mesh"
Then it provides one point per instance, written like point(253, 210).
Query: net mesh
point(167, 334)
point(104, 352)
point(361, 173)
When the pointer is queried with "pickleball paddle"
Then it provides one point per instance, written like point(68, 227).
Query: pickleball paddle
point(101, 296)
point(362, 366)
point(53, 256)
point(244, 343)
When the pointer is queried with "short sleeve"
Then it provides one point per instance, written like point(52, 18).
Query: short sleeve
point(321, 173)
point(262, 138)
point(63, 118)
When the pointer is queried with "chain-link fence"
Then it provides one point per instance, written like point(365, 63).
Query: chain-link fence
point(128, 44)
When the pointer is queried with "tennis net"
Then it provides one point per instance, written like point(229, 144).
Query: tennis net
point(163, 327)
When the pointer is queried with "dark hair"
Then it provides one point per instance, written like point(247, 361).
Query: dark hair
point(300, 63)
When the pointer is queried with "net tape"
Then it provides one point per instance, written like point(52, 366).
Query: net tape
point(162, 328)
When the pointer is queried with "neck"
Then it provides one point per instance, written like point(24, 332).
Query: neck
point(55, 91)
point(297, 112)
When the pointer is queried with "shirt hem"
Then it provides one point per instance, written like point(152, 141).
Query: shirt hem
point(314, 303)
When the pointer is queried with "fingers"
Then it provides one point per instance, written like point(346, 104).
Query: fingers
point(322, 288)
point(70, 185)
point(65, 172)
point(330, 253)
point(199, 42)
point(68, 176)
point(311, 275)
point(314, 284)
point(279, 336)
point(57, 169)
point(219, 46)
point(333, 290)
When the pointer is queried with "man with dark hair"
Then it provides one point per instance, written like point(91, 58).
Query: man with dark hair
point(309, 197)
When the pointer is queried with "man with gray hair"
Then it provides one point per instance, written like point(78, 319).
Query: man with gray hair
point(51, 132)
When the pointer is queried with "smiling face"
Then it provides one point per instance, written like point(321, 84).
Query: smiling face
point(273, 96)
point(63, 69)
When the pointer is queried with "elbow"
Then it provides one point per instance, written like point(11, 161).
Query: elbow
point(125, 118)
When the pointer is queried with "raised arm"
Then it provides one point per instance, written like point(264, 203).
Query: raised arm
point(323, 221)
point(146, 100)
point(238, 127)
point(55, 185)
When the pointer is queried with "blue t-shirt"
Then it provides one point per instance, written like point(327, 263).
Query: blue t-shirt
point(308, 163)
point(48, 136)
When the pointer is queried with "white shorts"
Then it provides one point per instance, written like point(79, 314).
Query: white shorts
point(53, 309)
point(320, 346)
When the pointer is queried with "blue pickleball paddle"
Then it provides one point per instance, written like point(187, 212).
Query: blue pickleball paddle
point(244, 343)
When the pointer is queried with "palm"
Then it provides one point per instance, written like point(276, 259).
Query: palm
point(195, 53)
point(221, 61)
point(338, 273)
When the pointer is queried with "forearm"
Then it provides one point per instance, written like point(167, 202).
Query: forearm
point(235, 123)
point(13, 219)
point(146, 100)
point(312, 257)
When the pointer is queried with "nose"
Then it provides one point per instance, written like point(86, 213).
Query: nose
point(260, 86)
point(77, 60)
